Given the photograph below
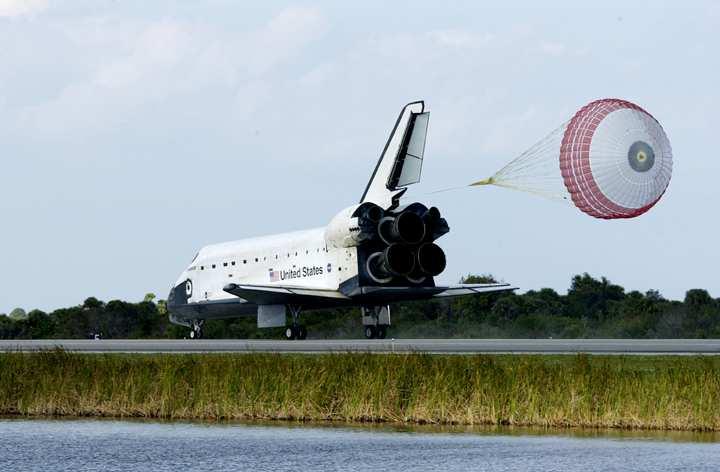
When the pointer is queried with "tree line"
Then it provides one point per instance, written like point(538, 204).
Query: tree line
point(592, 308)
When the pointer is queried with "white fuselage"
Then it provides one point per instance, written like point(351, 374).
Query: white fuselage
point(348, 262)
point(370, 255)
point(301, 258)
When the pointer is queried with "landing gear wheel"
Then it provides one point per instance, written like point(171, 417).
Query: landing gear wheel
point(375, 321)
point(295, 332)
point(381, 332)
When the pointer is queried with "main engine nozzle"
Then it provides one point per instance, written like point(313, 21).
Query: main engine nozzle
point(431, 259)
point(407, 227)
point(395, 260)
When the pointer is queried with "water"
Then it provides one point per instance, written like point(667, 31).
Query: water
point(95, 445)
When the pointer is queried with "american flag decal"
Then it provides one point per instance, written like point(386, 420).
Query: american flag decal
point(274, 276)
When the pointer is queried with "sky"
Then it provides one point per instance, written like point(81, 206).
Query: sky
point(132, 133)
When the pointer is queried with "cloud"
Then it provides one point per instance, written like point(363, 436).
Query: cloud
point(294, 21)
point(485, 87)
point(18, 8)
point(558, 49)
point(160, 46)
point(282, 37)
point(145, 63)
point(461, 38)
point(553, 48)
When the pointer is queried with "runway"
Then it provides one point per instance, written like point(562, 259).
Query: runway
point(434, 346)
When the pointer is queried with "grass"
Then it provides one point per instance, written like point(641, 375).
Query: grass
point(632, 392)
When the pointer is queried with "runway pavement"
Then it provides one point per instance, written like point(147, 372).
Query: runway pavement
point(436, 346)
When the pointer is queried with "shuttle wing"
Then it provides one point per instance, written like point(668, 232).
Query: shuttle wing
point(320, 298)
point(382, 295)
point(471, 289)
point(285, 295)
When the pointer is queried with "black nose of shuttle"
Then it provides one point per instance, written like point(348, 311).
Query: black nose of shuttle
point(177, 296)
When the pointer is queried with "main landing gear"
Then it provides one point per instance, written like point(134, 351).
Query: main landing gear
point(196, 329)
point(376, 321)
point(375, 332)
point(295, 330)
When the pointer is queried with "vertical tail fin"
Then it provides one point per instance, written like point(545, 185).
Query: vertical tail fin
point(400, 164)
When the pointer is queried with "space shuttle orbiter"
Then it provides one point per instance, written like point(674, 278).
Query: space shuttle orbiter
point(376, 252)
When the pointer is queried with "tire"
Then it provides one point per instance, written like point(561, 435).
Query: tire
point(370, 332)
point(381, 332)
point(301, 332)
point(192, 334)
point(290, 333)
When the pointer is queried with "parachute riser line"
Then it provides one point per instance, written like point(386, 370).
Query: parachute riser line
point(488, 181)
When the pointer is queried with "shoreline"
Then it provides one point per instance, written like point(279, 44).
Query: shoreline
point(571, 432)
point(623, 393)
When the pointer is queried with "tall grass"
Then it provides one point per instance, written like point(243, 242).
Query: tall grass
point(681, 393)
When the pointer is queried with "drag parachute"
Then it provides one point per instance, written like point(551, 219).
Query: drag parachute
point(612, 160)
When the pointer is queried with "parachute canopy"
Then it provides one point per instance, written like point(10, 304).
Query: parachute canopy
point(613, 159)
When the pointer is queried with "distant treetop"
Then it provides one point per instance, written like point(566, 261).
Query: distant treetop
point(18, 314)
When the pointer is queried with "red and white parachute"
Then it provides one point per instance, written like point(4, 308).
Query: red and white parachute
point(613, 158)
